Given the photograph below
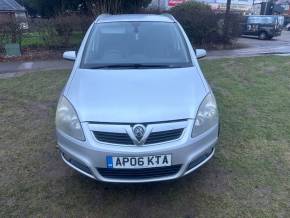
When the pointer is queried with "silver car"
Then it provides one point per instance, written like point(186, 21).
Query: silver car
point(136, 107)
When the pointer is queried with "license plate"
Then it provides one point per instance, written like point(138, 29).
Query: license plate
point(139, 162)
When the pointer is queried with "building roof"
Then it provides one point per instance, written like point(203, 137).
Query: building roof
point(133, 17)
point(10, 5)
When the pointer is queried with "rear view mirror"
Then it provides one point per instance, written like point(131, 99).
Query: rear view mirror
point(69, 55)
point(200, 53)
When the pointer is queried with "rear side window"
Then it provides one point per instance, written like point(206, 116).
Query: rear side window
point(261, 20)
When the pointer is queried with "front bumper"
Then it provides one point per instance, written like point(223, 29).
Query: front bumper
point(89, 157)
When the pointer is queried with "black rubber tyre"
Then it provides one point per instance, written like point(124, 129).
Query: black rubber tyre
point(263, 35)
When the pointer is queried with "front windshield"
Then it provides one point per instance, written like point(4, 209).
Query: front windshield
point(151, 44)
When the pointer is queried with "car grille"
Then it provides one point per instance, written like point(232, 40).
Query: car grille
point(113, 137)
point(147, 173)
point(124, 138)
point(164, 136)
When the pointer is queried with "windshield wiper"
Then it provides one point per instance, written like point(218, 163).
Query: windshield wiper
point(133, 66)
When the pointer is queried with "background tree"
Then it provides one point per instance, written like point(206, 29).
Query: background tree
point(227, 22)
point(116, 6)
point(51, 8)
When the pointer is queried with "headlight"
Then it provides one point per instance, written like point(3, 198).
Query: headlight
point(207, 116)
point(67, 120)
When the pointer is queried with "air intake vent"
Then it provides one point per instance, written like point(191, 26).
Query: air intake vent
point(113, 137)
point(164, 136)
point(148, 173)
point(124, 138)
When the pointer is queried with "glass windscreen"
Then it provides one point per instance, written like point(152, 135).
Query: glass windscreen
point(148, 44)
point(261, 20)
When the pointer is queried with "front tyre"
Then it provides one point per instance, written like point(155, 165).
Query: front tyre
point(262, 36)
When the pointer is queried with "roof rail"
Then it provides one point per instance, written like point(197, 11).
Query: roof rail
point(170, 16)
point(101, 16)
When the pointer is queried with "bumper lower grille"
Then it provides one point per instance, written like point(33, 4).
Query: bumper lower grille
point(149, 173)
point(124, 138)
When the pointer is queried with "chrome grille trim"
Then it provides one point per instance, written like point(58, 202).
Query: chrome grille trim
point(156, 133)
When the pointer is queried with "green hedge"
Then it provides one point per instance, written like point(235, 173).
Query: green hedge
point(202, 25)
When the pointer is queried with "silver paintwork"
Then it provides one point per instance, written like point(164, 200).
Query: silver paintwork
point(93, 153)
point(105, 100)
point(136, 95)
point(133, 18)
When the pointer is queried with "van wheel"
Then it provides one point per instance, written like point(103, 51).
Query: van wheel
point(262, 35)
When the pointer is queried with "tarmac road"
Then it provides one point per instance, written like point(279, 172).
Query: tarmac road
point(252, 42)
point(254, 46)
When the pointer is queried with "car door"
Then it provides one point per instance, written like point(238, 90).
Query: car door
point(252, 27)
point(268, 24)
point(243, 25)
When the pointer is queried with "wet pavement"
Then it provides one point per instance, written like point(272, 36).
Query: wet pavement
point(254, 47)
point(14, 67)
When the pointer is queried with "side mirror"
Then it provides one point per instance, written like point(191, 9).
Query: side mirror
point(69, 55)
point(200, 53)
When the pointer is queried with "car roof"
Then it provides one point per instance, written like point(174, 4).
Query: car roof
point(263, 16)
point(134, 18)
